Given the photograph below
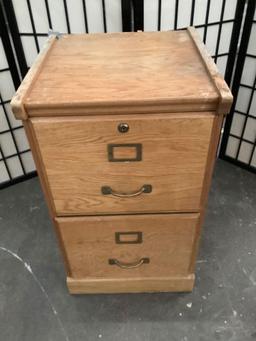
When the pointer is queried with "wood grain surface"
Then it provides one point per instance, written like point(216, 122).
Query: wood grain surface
point(167, 241)
point(130, 285)
point(93, 71)
point(211, 158)
point(165, 86)
point(225, 96)
point(75, 159)
point(45, 185)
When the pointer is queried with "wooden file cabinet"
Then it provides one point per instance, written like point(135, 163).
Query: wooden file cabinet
point(124, 130)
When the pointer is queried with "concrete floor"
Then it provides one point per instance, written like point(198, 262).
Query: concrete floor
point(35, 304)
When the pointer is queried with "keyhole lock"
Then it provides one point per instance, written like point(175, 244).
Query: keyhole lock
point(123, 127)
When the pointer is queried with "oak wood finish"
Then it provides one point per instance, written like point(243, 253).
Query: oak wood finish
point(225, 96)
point(75, 158)
point(167, 241)
point(169, 91)
point(216, 130)
point(130, 285)
point(139, 108)
point(106, 72)
point(45, 186)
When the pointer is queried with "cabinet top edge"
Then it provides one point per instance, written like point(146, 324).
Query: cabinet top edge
point(161, 84)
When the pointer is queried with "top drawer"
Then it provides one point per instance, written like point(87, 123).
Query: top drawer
point(93, 167)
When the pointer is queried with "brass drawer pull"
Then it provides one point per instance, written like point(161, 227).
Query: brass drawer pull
point(132, 265)
point(106, 190)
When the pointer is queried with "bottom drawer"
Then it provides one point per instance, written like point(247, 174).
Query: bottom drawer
point(129, 247)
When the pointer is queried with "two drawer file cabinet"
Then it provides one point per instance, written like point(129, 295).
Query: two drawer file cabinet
point(124, 129)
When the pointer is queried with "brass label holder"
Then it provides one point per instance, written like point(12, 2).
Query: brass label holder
point(136, 146)
point(136, 237)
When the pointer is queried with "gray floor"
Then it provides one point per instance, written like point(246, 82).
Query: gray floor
point(35, 304)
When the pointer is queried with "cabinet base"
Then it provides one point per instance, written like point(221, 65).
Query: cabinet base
point(130, 285)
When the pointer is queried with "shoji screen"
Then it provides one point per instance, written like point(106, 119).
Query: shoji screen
point(15, 156)
point(36, 17)
point(242, 137)
point(213, 19)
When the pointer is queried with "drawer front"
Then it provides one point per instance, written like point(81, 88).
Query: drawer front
point(93, 168)
point(129, 246)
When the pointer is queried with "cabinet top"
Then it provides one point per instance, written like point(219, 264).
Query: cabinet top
point(138, 72)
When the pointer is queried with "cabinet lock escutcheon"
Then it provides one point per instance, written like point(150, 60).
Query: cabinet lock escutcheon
point(123, 127)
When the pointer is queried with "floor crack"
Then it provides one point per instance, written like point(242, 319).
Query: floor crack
point(29, 269)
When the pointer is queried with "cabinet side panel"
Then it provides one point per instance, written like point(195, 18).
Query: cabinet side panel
point(217, 124)
point(44, 184)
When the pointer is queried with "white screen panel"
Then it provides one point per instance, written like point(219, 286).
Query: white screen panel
point(225, 37)
point(40, 16)
point(57, 13)
point(21, 139)
point(200, 11)
point(232, 146)
point(252, 41)
point(230, 9)
point(151, 15)
point(167, 15)
point(28, 162)
point(215, 11)
point(29, 48)
point(113, 15)
point(41, 41)
point(243, 99)
point(22, 16)
point(237, 124)
point(3, 172)
point(14, 166)
point(211, 39)
point(7, 144)
point(76, 16)
point(249, 71)
point(6, 85)
point(245, 152)
point(250, 129)
point(95, 16)
point(222, 63)
point(3, 121)
point(184, 11)
point(3, 60)
point(252, 110)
